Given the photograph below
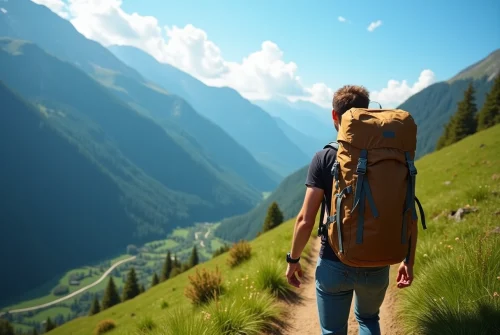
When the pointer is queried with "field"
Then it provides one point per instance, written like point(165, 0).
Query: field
point(150, 258)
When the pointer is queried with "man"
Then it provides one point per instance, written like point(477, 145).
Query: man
point(336, 281)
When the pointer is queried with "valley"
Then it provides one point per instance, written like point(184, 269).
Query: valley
point(146, 260)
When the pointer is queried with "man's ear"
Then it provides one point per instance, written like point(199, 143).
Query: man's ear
point(334, 115)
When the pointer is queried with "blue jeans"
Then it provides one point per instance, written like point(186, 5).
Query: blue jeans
point(335, 284)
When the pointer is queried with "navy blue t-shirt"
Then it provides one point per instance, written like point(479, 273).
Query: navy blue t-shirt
point(319, 175)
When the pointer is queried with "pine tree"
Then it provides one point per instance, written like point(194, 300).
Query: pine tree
point(490, 112)
point(49, 325)
point(177, 264)
point(274, 217)
point(131, 288)
point(142, 289)
point(193, 259)
point(111, 296)
point(34, 332)
point(155, 281)
point(463, 123)
point(167, 267)
point(95, 307)
point(6, 328)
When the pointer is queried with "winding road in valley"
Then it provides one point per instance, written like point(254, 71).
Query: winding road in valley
point(83, 289)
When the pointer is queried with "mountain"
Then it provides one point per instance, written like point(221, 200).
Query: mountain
point(306, 117)
point(247, 123)
point(199, 135)
point(61, 196)
point(433, 106)
point(308, 144)
point(149, 182)
point(289, 195)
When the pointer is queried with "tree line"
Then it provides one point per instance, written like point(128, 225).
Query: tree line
point(467, 120)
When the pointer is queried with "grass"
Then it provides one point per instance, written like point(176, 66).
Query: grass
point(261, 307)
point(457, 272)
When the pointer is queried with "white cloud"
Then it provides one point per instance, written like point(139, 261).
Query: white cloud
point(342, 19)
point(57, 6)
point(397, 92)
point(374, 25)
point(3, 10)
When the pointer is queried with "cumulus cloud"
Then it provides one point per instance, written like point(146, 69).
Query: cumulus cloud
point(374, 25)
point(342, 19)
point(57, 6)
point(397, 92)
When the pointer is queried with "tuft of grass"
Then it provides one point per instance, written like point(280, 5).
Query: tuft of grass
point(164, 304)
point(239, 253)
point(270, 277)
point(104, 326)
point(204, 286)
point(146, 324)
point(184, 321)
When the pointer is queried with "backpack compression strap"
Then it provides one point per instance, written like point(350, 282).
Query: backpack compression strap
point(334, 146)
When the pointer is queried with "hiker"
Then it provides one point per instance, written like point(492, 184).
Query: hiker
point(371, 221)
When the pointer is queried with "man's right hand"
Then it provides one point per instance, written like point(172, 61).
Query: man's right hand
point(405, 275)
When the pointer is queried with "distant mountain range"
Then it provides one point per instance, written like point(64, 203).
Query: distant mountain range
point(247, 123)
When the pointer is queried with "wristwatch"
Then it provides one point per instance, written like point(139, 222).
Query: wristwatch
point(291, 260)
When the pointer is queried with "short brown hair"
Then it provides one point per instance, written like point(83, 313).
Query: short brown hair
point(350, 96)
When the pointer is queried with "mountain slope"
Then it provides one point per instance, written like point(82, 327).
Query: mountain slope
point(433, 106)
point(60, 38)
point(57, 197)
point(247, 123)
point(289, 195)
point(308, 144)
point(307, 118)
point(37, 75)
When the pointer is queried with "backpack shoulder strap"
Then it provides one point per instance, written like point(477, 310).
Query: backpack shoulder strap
point(332, 145)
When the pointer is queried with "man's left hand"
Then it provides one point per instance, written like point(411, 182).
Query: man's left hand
point(290, 274)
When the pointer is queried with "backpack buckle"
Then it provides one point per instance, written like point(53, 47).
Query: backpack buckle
point(412, 168)
point(361, 167)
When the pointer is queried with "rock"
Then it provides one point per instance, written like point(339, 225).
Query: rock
point(459, 214)
point(497, 213)
point(496, 230)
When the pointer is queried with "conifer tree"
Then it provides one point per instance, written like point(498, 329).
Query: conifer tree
point(142, 289)
point(193, 259)
point(489, 115)
point(95, 307)
point(167, 267)
point(49, 325)
point(177, 264)
point(6, 328)
point(274, 217)
point(131, 288)
point(155, 281)
point(111, 296)
point(34, 332)
point(463, 123)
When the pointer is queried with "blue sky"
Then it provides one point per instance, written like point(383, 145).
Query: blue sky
point(444, 36)
point(309, 51)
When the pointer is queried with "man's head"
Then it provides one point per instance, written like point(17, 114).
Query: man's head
point(347, 97)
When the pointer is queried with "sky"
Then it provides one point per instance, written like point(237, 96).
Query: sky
point(299, 49)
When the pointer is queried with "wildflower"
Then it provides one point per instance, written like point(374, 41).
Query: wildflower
point(498, 277)
point(456, 238)
point(425, 255)
point(496, 295)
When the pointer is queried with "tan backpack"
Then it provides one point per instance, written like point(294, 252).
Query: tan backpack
point(373, 193)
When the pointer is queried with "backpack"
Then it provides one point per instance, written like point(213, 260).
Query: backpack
point(373, 192)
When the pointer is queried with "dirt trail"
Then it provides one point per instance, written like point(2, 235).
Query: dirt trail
point(304, 315)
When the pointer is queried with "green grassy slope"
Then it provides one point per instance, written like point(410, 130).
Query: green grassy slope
point(453, 278)
point(457, 268)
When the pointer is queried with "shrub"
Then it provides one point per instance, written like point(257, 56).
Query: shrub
point(164, 304)
point(221, 250)
point(270, 277)
point(239, 253)
point(204, 286)
point(104, 326)
point(146, 324)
